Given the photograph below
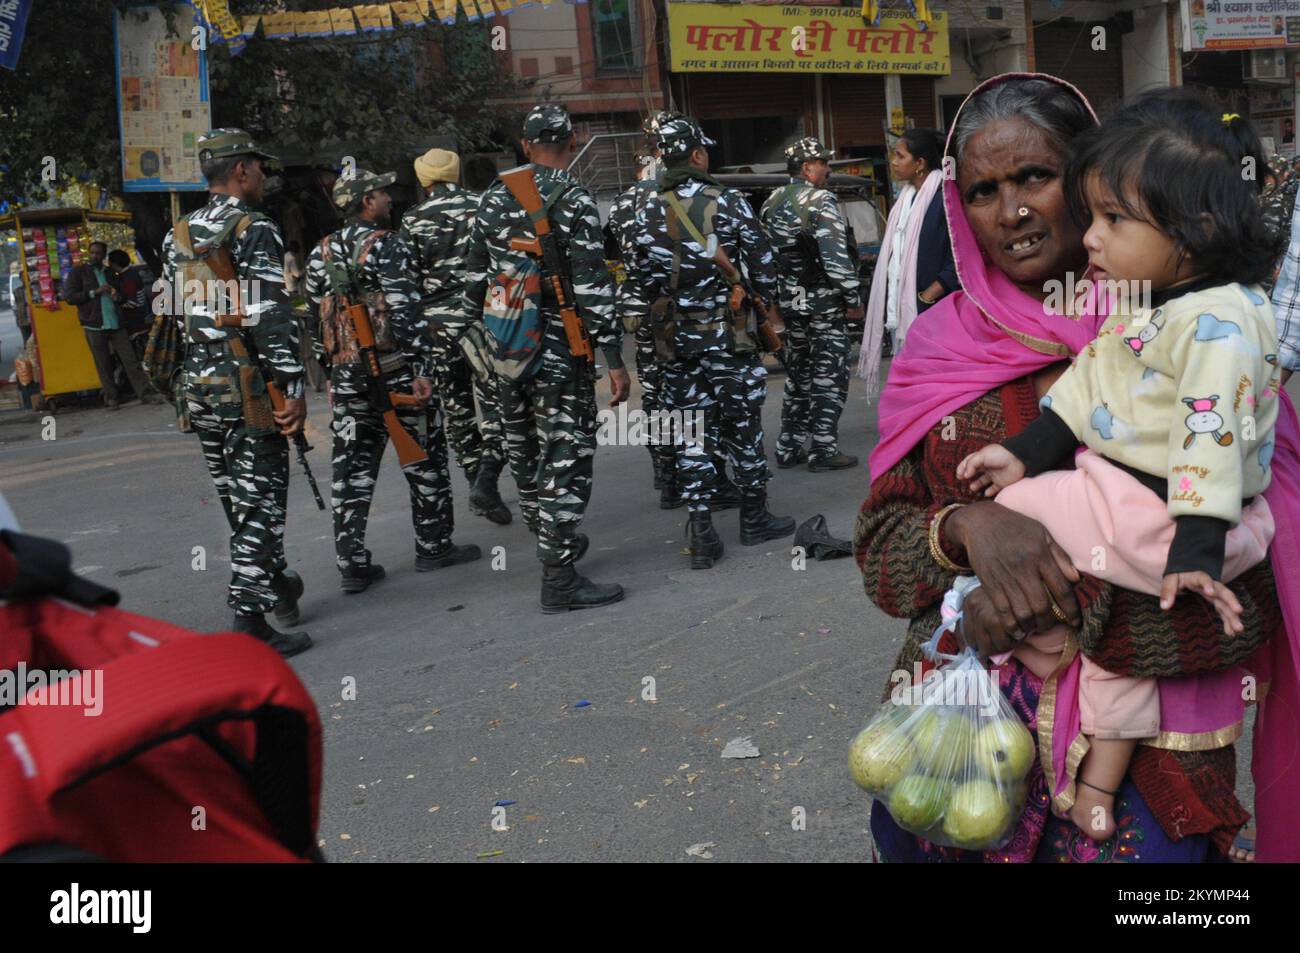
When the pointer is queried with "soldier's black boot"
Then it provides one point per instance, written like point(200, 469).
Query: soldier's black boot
point(286, 643)
point(564, 589)
point(287, 587)
point(484, 498)
point(757, 525)
point(726, 495)
point(451, 556)
point(706, 544)
point(358, 578)
point(836, 461)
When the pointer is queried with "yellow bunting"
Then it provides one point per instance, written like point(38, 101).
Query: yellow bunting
point(248, 25)
point(217, 13)
point(342, 22)
point(374, 16)
point(315, 23)
point(409, 13)
point(278, 26)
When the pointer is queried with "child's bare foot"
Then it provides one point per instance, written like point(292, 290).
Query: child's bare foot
point(1243, 847)
point(1094, 811)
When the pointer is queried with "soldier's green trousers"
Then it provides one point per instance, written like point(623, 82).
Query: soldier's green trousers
point(472, 440)
point(650, 376)
point(816, 360)
point(729, 389)
point(360, 439)
point(550, 431)
point(251, 474)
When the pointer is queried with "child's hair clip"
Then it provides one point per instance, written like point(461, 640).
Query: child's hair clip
point(1228, 117)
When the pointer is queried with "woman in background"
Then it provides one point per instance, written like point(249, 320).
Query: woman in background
point(915, 268)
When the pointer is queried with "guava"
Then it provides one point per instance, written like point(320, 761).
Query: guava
point(879, 756)
point(976, 815)
point(1004, 750)
point(917, 801)
point(943, 742)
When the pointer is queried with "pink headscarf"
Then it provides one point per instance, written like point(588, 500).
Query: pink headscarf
point(991, 333)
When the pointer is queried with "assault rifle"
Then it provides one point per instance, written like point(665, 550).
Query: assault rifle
point(523, 186)
point(767, 316)
point(221, 265)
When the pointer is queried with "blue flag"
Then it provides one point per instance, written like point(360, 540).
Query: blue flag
point(13, 25)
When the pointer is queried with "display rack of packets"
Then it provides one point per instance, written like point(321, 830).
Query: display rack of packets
point(52, 253)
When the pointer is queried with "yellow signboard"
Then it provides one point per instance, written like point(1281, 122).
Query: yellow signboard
point(717, 38)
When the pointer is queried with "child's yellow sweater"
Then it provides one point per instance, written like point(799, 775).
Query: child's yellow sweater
point(1186, 392)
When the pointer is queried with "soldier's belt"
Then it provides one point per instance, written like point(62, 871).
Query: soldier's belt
point(701, 317)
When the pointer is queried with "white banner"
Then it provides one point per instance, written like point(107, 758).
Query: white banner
point(1240, 24)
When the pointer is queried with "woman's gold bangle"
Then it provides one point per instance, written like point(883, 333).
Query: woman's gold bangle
point(936, 549)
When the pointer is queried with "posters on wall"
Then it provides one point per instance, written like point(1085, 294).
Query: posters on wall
point(162, 93)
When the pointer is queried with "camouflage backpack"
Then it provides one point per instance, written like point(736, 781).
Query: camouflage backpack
point(337, 336)
point(164, 356)
point(512, 313)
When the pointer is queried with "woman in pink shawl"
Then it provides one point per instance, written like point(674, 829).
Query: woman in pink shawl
point(971, 374)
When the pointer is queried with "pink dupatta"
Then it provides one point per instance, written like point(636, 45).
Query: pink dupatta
point(991, 333)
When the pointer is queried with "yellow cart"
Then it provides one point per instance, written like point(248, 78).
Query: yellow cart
point(63, 360)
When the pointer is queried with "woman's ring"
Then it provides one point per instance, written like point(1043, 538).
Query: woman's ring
point(1058, 611)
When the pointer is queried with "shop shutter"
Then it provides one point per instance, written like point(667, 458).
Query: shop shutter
point(918, 101)
point(746, 95)
point(1065, 50)
point(857, 108)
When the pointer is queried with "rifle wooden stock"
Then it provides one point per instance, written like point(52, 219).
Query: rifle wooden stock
point(381, 399)
point(769, 322)
point(523, 186)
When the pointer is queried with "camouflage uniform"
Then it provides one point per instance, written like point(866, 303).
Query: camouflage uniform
point(359, 433)
point(815, 292)
point(632, 308)
point(713, 372)
point(437, 229)
point(249, 465)
point(550, 420)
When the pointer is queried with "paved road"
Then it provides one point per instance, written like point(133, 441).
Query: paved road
point(466, 693)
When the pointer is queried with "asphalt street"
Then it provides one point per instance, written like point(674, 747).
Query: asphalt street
point(466, 695)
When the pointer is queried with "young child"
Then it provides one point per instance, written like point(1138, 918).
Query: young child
point(1180, 393)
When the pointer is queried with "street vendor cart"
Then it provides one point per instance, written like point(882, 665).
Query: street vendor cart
point(53, 241)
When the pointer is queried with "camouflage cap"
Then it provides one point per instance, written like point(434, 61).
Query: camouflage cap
point(222, 143)
point(678, 136)
point(548, 122)
point(347, 191)
point(650, 126)
point(807, 149)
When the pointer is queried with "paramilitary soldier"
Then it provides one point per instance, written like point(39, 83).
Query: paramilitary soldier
point(224, 375)
point(550, 419)
point(632, 309)
point(366, 262)
point(437, 230)
point(706, 366)
point(819, 300)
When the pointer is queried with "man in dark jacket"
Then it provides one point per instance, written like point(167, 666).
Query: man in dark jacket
point(92, 287)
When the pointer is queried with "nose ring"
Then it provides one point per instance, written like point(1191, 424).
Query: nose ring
point(1024, 212)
